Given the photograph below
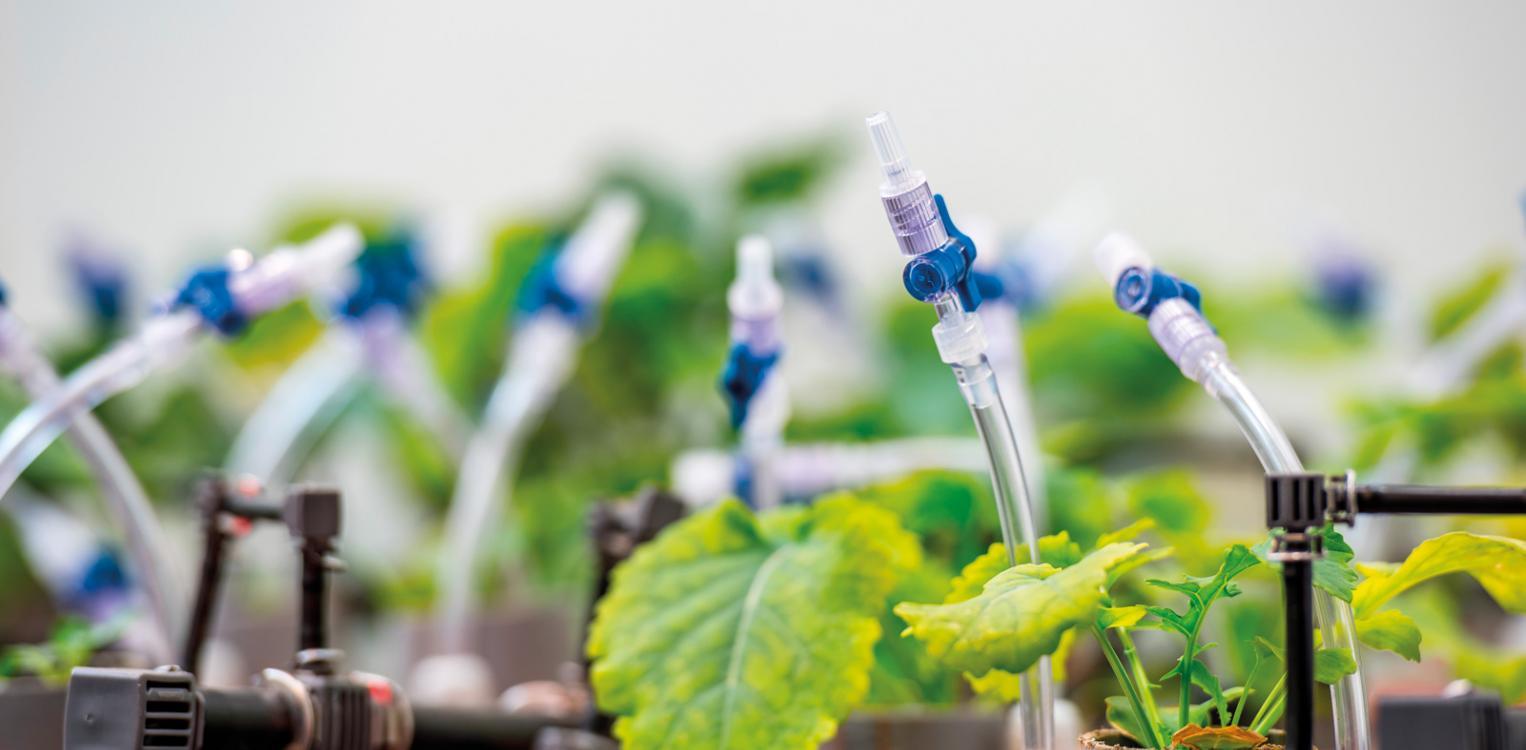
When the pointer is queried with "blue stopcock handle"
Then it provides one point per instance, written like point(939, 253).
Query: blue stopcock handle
point(743, 376)
point(542, 288)
point(104, 284)
point(1140, 290)
point(937, 272)
point(207, 292)
point(388, 276)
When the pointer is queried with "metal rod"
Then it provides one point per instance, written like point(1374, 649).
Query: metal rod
point(1416, 499)
point(212, 497)
point(1298, 590)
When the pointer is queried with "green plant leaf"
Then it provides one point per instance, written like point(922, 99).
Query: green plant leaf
point(1331, 664)
point(731, 631)
point(1019, 615)
point(1056, 550)
point(1120, 617)
point(1333, 573)
point(1390, 630)
point(1497, 563)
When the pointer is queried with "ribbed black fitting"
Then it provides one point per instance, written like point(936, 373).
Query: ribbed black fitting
point(1295, 502)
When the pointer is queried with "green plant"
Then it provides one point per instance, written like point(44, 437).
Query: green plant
point(997, 622)
point(71, 644)
point(734, 630)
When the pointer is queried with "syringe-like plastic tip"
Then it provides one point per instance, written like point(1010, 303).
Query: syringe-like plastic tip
point(1117, 253)
point(754, 293)
point(890, 152)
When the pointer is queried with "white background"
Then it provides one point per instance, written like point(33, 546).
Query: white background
point(174, 127)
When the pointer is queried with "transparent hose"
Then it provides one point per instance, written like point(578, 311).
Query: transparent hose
point(125, 498)
point(121, 367)
point(407, 376)
point(1336, 623)
point(270, 444)
point(978, 384)
point(539, 362)
point(1004, 330)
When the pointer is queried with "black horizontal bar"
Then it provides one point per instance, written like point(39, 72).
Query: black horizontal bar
point(1402, 499)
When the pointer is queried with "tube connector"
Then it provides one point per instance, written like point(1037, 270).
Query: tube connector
point(907, 200)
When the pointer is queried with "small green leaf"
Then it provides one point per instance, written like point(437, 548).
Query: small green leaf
point(1390, 630)
point(1331, 664)
point(1120, 715)
point(1120, 617)
point(1019, 615)
point(1128, 533)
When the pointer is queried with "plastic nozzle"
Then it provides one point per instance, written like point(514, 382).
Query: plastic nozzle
point(754, 294)
point(290, 271)
point(1117, 253)
point(896, 168)
point(596, 250)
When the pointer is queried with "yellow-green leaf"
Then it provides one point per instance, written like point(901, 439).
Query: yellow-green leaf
point(1498, 563)
point(1390, 630)
point(1018, 616)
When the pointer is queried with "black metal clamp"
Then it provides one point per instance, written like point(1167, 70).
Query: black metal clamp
point(1298, 506)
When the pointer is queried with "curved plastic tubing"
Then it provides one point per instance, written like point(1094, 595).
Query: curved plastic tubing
point(1014, 508)
point(539, 362)
point(318, 383)
point(123, 366)
point(1336, 623)
point(125, 499)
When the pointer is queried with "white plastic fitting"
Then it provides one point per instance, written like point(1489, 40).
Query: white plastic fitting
point(960, 338)
point(596, 250)
point(755, 298)
point(290, 271)
point(1116, 254)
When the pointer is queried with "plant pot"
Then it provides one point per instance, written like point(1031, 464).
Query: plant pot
point(915, 730)
point(1112, 739)
point(32, 715)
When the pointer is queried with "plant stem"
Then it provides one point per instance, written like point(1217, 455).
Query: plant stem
point(1271, 709)
point(1130, 691)
point(1141, 679)
point(1185, 675)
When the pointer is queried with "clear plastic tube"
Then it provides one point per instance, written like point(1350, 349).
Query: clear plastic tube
point(123, 366)
point(256, 287)
point(540, 360)
point(1336, 622)
point(977, 383)
point(1003, 324)
point(959, 331)
point(124, 496)
point(316, 384)
point(406, 375)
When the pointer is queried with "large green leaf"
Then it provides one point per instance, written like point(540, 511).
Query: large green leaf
point(1498, 563)
point(1019, 616)
point(732, 632)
